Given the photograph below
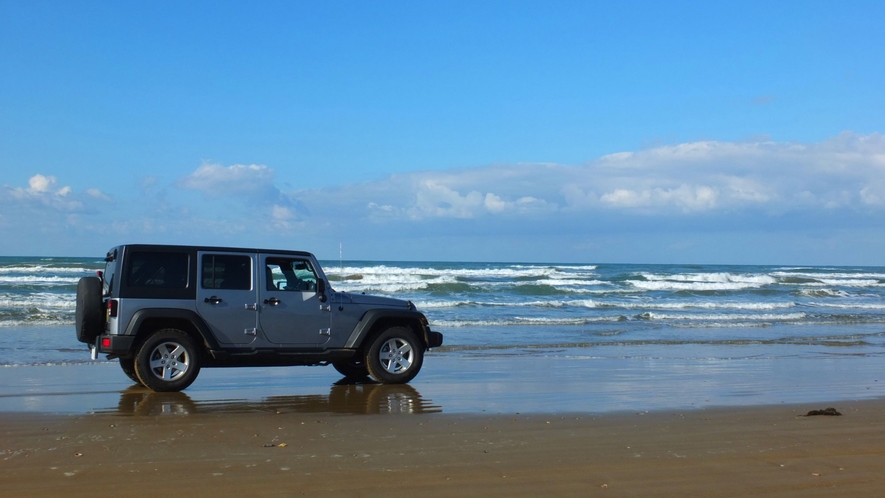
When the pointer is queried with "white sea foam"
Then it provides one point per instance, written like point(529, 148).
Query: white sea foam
point(29, 269)
point(59, 321)
point(719, 281)
point(391, 271)
point(692, 286)
point(400, 281)
point(851, 282)
point(39, 300)
point(723, 317)
point(749, 306)
point(560, 276)
point(593, 304)
point(35, 280)
point(715, 277)
point(821, 292)
point(835, 275)
point(539, 321)
point(851, 306)
point(577, 268)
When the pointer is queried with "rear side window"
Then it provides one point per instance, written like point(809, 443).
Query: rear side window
point(225, 271)
point(110, 269)
point(158, 270)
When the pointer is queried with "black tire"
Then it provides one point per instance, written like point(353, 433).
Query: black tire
point(354, 368)
point(167, 361)
point(395, 356)
point(128, 367)
point(89, 317)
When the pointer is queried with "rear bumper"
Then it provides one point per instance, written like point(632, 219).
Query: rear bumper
point(117, 345)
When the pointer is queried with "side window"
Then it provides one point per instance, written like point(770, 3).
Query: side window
point(288, 274)
point(160, 270)
point(224, 271)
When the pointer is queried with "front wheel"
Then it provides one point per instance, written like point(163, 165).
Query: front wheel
point(167, 361)
point(395, 356)
point(353, 368)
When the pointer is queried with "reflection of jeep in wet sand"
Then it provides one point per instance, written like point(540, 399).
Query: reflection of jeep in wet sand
point(167, 311)
point(345, 397)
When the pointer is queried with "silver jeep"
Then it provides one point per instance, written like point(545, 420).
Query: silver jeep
point(167, 311)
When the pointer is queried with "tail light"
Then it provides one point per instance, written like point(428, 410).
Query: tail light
point(112, 308)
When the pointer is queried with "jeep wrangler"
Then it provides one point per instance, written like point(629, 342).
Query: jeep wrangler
point(165, 312)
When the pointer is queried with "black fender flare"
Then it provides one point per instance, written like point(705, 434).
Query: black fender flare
point(141, 316)
point(367, 322)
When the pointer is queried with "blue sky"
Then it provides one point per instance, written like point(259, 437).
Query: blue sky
point(647, 132)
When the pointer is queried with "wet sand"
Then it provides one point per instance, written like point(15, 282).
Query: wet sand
point(467, 426)
point(773, 451)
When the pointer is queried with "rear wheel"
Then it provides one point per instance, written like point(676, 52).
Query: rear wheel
point(167, 361)
point(395, 356)
point(128, 367)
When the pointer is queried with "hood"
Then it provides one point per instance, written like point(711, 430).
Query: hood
point(367, 299)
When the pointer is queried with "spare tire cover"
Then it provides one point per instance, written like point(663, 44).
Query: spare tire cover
point(89, 318)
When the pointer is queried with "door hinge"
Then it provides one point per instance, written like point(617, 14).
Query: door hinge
point(326, 332)
point(250, 331)
point(252, 307)
point(325, 307)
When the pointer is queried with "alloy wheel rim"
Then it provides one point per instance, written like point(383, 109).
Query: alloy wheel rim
point(396, 356)
point(169, 361)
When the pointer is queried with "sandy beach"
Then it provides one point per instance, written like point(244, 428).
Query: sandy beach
point(770, 451)
point(466, 427)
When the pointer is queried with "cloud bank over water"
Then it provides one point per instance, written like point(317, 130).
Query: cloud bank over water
point(697, 196)
point(845, 172)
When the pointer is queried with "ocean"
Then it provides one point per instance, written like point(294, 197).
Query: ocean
point(702, 312)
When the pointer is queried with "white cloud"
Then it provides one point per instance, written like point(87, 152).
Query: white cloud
point(39, 183)
point(494, 203)
point(42, 194)
point(845, 172)
point(433, 199)
point(688, 198)
point(97, 194)
point(214, 180)
point(249, 184)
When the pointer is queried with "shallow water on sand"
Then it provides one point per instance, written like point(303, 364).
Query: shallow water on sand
point(561, 381)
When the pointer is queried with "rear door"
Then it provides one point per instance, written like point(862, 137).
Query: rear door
point(226, 296)
point(292, 312)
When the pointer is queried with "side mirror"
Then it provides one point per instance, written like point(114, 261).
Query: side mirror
point(321, 290)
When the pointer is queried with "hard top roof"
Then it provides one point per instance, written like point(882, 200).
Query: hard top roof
point(176, 248)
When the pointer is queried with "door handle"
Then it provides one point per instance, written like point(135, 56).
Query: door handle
point(272, 301)
point(213, 300)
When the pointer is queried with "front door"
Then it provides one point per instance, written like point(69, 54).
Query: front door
point(226, 296)
point(291, 310)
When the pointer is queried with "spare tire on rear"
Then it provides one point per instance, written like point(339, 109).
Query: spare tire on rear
point(89, 318)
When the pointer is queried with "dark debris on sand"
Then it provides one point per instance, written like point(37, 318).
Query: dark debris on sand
point(826, 411)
